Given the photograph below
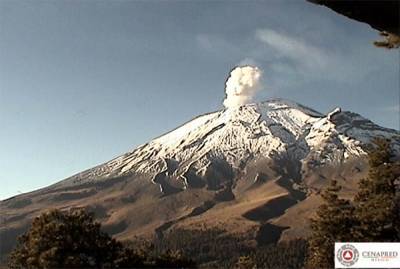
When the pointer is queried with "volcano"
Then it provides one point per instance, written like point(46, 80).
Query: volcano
point(253, 169)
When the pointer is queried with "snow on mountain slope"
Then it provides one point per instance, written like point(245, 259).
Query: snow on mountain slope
point(238, 135)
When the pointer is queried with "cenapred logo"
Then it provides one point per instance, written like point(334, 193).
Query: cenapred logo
point(367, 255)
point(347, 255)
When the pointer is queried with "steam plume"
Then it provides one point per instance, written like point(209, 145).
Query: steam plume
point(241, 85)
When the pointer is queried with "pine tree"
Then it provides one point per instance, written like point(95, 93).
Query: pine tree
point(377, 201)
point(332, 223)
point(73, 239)
point(373, 216)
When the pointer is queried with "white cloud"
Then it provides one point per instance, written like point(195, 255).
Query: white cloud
point(294, 58)
point(298, 59)
point(303, 54)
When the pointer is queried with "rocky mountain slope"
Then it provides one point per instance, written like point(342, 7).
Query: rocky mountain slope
point(250, 169)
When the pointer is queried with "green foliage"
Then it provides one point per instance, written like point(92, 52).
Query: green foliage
point(73, 239)
point(373, 216)
point(289, 254)
point(206, 245)
point(173, 259)
point(215, 248)
point(377, 201)
point(333, 222)
point(58, 240)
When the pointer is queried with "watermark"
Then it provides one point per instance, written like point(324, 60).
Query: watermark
point(367, 255)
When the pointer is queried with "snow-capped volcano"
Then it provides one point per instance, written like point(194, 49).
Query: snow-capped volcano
point(235, 136)
point(254, 169)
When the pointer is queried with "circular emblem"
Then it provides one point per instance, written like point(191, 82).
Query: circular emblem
point(347, 255)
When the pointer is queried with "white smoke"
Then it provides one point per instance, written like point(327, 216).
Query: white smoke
point(242, 85)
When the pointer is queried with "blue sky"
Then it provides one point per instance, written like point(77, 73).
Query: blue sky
point(84, 81)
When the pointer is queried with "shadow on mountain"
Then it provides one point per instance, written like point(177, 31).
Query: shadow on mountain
point(18, 203)
point(201, 209)
point(98, 210)
point(193, 180)
point(269, 234)
point(166, 188)
point(64, 196)
point(207, 205)
point(160, 230)
point(115, 228)
point(224, 195)
point(272, 209)
point(218, 174)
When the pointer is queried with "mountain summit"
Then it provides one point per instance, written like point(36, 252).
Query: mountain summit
point(251, 169)
point(234, 137)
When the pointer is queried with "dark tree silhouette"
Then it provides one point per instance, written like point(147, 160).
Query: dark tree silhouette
point(377, 201)
point(332, 223)
point(73, 239)
point(373, 216)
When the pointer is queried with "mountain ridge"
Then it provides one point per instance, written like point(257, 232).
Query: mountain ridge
point(256, 116)
point(255, 169)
